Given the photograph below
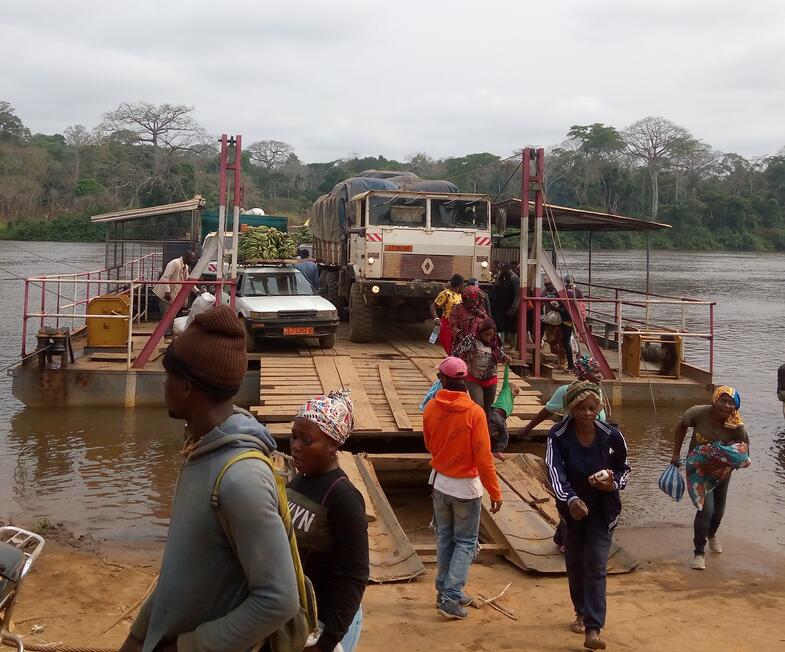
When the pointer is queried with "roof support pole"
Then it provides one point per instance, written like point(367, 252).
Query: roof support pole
point(590, 251)
point(648, 257)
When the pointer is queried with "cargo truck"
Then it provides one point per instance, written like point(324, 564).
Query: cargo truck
point(387, 243)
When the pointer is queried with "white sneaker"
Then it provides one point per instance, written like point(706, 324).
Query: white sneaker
point(698, 562)
point(715, 545)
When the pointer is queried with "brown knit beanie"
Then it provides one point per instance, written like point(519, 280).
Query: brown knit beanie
point(211, 352)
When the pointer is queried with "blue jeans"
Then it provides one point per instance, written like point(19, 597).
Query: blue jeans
point(349, 641)
point(457, 530)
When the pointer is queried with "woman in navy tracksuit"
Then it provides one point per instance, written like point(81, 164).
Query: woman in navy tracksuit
point(578, 448)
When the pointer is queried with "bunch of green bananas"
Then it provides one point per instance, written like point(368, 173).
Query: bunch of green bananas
point(301, 234)
point(265, 242)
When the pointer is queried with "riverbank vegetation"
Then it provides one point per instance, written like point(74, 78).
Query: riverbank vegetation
point(142, 155)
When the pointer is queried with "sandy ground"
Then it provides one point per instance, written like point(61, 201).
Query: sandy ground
point(78, 590)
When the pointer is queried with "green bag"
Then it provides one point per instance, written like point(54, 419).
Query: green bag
point(505, 399)
point(294, 634)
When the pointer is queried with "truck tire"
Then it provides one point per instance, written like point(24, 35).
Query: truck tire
point(361, 316)
point(327, 341)
point(332, 287)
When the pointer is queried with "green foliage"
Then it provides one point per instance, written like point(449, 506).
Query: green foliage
point(61, 229)
point(713, 200)
point(88, 187)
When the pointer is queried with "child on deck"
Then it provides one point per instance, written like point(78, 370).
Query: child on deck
point(498, 415)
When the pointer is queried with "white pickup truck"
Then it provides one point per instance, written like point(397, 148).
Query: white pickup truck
point(275, 301)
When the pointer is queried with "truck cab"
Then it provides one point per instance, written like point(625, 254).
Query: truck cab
point(388, 242)
point(424, 237)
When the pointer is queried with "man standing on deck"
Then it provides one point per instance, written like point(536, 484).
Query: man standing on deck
point(176, 271)
point(455, 430)
point(227, 579)
point(309, 269)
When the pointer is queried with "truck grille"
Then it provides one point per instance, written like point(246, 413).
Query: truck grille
point(295, 315)
point(414, 266)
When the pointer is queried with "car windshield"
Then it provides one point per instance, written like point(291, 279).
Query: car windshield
point(275, 283)
point(459, 213)
point(397, 211)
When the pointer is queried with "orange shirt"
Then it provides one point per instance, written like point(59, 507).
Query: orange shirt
point(455, 430)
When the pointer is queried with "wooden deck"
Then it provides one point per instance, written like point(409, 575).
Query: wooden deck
point(388, 380)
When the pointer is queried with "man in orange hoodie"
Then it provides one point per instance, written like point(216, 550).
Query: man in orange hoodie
point(456, 434)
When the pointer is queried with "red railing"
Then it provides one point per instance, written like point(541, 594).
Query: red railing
point(131, 279)
point(621, 324)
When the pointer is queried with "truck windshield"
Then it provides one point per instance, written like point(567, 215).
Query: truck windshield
point(397, 211)
point(459, 213)
point(275, 282)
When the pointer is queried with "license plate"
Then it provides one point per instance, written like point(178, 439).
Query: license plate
point(298, 330)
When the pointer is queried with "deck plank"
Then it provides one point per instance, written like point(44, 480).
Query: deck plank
point(364, 415)
point(394, 401)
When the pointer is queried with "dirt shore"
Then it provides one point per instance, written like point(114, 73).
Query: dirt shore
point(77, 591)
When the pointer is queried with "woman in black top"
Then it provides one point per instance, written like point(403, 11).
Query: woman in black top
point(328, 514)
point(587, 466)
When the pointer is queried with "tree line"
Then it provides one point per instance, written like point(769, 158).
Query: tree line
point(142, 154)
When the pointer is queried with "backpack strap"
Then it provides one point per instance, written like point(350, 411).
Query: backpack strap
point(303, 590)
point(247, 455)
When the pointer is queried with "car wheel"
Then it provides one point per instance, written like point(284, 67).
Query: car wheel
point(327, 341)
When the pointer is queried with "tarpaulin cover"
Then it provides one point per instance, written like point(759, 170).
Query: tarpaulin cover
point(332, 214)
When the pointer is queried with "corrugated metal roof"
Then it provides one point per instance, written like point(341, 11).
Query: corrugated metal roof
point(138, 213)
point(577, 219)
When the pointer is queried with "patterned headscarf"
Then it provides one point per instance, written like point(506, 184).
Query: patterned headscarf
point(586, 366)
point(580, 390)
point(334, 414)
point(472, 294)
point(734, 420)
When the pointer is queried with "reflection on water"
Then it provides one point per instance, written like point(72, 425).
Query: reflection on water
point(110, 472)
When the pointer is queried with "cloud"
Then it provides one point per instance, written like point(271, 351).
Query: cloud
point(381, 78)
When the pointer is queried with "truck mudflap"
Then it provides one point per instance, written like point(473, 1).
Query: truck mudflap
point(403, 289)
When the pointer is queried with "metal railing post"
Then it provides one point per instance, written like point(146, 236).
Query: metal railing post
point(711, 339)
point(619, 335)
point(130, 343)
point(683, 330)
point(43, 302)
point(25, 317)
point(59, 289)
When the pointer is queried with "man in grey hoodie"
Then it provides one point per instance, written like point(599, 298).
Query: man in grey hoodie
point(223, 587)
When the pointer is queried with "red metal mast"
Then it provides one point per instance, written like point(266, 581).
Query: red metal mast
point(531, 182)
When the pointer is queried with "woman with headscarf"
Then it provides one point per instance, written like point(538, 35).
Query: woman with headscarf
point(587, 467)
point(328, 514)
point(467, 315)
point(586, 368)
point(717, 432)
point(482, 353)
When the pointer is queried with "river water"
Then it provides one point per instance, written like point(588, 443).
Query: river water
point(110, 472)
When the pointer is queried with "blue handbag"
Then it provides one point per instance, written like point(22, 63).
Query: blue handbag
point(672, 483)
point(437, 385)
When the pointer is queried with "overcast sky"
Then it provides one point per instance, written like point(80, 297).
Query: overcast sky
point(446, 78)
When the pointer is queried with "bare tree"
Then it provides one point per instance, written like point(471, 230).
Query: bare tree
point(168, 126)
point(270, 154)
point(654, 140)
point(77, 137)
point(420, 163)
